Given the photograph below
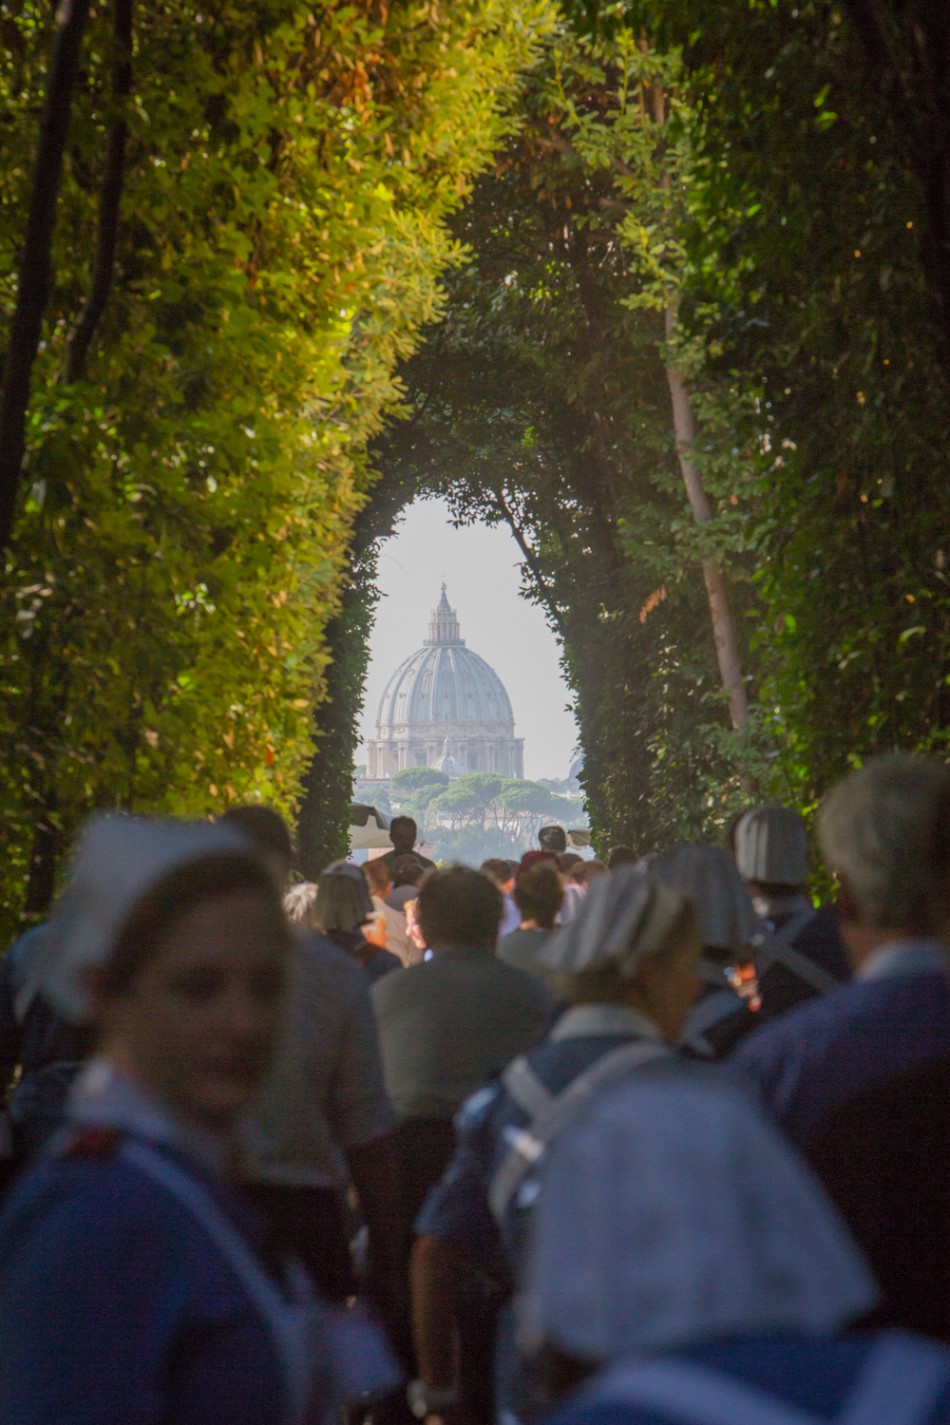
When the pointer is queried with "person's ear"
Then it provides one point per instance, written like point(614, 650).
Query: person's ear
point(846, 907)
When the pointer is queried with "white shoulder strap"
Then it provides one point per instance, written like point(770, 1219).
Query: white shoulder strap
point(778, 949)
point(557, 1112)
point(692, 1395)
point(266, 1297)
point(709, 1012)
point(524, 1086)
point(899, 1385)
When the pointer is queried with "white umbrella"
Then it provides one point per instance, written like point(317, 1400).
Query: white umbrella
point(369, 829)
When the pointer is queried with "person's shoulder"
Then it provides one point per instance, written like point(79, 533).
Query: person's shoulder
point(520, 984)
point(811, 1024)
point(320, 956)
point(84, 1191)
point(392, 989)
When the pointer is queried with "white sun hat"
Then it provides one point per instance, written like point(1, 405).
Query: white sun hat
point(117, 860)
point(727, 918)
point(772, 846)
point(623, 919)
point(672, 1213)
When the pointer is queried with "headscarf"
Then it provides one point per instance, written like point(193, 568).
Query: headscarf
point(623, 919)
point(772, 846)
point(727, 918)
point(672, 1213)
point(118, 860)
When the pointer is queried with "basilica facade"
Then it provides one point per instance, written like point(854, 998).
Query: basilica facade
point(444, 707)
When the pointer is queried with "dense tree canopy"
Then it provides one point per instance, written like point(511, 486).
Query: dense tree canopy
point(188, 501)
point(680, 267)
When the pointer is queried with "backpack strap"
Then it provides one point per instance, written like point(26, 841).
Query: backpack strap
point(281, 1318)
point(553, 1116)
point(705, 1016)
point(524, 1086)
point(695, 1395)
point(778, 948)
point(899, 1385)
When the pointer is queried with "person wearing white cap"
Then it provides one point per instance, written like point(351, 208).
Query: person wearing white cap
point(687, 1268)
point(134, 1283)
point(720, 1019)
point(799, 952)
point(626, 965)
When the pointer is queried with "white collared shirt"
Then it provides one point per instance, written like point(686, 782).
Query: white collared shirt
point(582, 1020)
point(911, 956)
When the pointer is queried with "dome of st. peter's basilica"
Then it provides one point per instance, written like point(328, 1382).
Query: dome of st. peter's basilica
point(445, 707)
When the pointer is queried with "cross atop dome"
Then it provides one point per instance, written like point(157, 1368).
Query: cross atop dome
point(444, 624)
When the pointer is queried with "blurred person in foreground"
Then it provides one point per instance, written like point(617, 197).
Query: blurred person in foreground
point(720, 1019)
point(627, 967)
point(322, 1121)
point(687, 1269)
point(799, 953)
point(860, 1078)
point(135, 1285)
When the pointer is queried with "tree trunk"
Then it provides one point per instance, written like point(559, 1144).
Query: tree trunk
point(724, 633)
point(103, 267)
point(44, 858)
point(36, 262)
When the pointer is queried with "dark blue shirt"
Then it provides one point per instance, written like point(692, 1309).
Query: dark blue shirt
point(116, 1305)
point(815, 1377)
point(803, 1066)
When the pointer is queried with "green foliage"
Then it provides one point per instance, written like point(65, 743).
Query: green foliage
point(414, 779)
point(479, 814)
point(807, 292)
point(183, 545)
point(542, 402)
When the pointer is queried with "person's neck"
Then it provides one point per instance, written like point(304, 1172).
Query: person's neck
point(111, 1090)
point(529, 925)
point(863, 941)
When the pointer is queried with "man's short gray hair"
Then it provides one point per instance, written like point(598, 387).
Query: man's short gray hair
point(885, 832)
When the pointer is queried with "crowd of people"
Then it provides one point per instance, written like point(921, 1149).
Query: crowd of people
point(649, 1141)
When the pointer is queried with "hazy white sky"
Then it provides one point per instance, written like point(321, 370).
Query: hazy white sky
point(480, 569)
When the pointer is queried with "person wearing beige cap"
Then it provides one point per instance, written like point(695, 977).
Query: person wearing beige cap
point(134, 1281)
point(720, 1018)
point(626, 965)
point(799, 952)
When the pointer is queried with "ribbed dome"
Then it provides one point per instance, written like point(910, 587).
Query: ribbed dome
point(444, 684)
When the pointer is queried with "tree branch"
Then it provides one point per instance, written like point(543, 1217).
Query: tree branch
point(530, 559)
point(103, 270)
point(36, 263)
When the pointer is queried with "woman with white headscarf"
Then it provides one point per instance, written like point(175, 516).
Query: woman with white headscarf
point(626, 965)
point(135, 1285)
point(687, 1269)
point(720, 1019)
